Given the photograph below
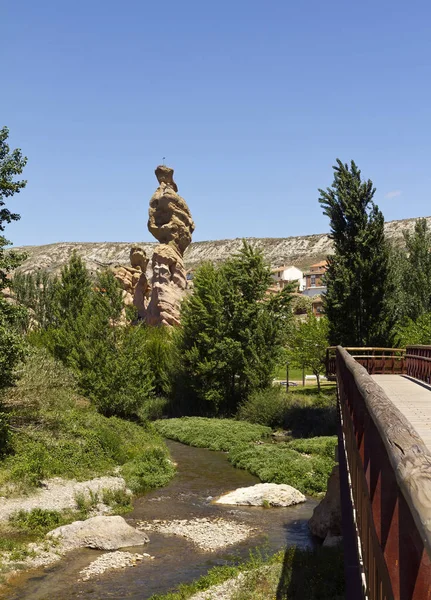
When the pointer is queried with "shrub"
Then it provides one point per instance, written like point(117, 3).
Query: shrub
point(150, 470)
point(38, 520)
point(153, 409)
point(59, 433)
point(265, 407)
point(311, 415)
point(4, 434)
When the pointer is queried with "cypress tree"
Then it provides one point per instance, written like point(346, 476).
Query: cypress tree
point(358, 269)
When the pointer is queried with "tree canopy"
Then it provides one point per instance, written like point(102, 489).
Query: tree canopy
point(12, 164)
point(232, 333)
point(357, 272)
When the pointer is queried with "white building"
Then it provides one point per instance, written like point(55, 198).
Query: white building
point(285, 274)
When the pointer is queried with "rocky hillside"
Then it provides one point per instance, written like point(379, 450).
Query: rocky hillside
point(302, 251)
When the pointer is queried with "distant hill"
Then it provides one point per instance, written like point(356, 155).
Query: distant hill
point(301, 251)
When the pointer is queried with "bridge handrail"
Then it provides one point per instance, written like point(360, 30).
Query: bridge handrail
point(418, 362)
point(408, 456)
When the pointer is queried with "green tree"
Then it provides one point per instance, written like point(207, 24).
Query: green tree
point(409, 332)
point(74, 288)
point(12, 164)
point(90, 336)
point(416, 280)
point(232, 334)
point(38, 293)
point(357, 272)
point(308, 343)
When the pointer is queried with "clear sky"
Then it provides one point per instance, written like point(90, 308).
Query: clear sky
point(249, 101)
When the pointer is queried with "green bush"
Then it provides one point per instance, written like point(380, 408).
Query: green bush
point(305, 413)
point(311, 415)
point(38, 520)
point(59, 433)
point(153, 409)
point(150, 470)
point(265, 407)
point(4, 434)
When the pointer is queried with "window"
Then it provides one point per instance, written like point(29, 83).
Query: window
point(313, 280)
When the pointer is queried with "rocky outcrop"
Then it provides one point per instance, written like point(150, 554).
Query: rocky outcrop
point(326, 520)
point(103, 533)
point(171, 223)
point(133, 280)
point(263, 494)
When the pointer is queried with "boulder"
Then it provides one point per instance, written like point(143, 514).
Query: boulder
point(102, 533)
point(272, 494)
point(326, 519)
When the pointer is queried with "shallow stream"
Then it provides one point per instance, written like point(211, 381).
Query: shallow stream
point(202, 475)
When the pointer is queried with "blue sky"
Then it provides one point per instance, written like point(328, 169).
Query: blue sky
point(250, 102)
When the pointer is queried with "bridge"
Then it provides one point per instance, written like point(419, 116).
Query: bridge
point(384, 402)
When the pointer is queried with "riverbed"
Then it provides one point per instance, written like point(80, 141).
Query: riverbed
point(202, 476)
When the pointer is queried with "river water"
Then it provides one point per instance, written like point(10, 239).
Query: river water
point(202, 475)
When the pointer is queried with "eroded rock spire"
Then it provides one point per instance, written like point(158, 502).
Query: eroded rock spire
point(171, 223)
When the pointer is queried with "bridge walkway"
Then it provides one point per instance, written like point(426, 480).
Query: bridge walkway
point(412, 398)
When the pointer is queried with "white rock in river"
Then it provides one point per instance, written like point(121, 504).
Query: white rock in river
point(257, 495)
point(104, 533)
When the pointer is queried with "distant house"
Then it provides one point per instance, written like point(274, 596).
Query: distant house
point(314, 285)
point(281, 276)
point(317, 306)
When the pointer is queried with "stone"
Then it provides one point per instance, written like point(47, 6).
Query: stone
point(208, 534)
point(332, 540)
point(133, 280)
point(272, 494)
point(171, 223)
point(326, 519)
point(102, 533)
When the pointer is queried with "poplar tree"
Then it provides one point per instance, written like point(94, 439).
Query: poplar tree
point(357, 271)
point(12, 164)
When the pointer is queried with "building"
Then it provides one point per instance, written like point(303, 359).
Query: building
point(286, 274)
point(317, 306)
point(314, 279)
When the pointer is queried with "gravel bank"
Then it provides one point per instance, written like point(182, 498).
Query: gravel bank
point(110, 562)
point(208, 534)
point(59, 494)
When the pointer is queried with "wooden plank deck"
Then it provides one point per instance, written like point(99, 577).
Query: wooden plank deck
point(412, 398)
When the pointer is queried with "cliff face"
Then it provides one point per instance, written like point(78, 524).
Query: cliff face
point(302, 251)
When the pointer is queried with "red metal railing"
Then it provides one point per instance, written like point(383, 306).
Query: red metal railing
point(418, 362)
point(390, 474)
point(375, 360)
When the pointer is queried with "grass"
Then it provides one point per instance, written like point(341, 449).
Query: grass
point(305, 464)
point(295, 574)
point(294, 373)
point(279, 463)
point(215, 434)
point(57, 433)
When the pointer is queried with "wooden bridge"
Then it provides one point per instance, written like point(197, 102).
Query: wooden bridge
point(384, 399)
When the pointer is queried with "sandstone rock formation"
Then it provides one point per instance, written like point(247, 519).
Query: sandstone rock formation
point(172, 225)
point(262, 494)
point(103, 533)
point(133, 280)
point(326, 520)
